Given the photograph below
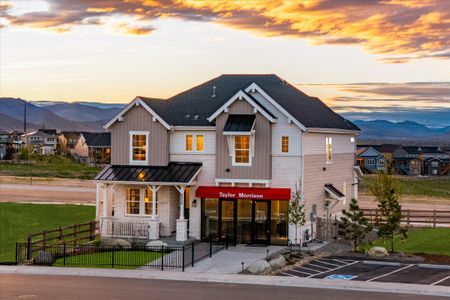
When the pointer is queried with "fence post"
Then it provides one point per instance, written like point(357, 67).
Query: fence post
point(182, 268)
point(60, 234)
point(17, 248)
point(64, 254)
point(336, 228)
point(44, 239)
point(193, 254)
point(434, 218)
point(29, 248)
point(112, 257)
point(210, 247)
point(407, 217)
point(92, 230)
point(162, 258)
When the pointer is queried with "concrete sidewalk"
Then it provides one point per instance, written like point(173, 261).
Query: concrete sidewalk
point(230, 261)
point(381, 287)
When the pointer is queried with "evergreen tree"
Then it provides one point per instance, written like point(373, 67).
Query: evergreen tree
point(296, 211)
point(356, 226)
point(386, 190)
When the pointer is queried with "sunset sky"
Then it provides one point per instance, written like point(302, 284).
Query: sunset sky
point(354, 54)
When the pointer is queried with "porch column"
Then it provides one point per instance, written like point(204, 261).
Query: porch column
point(105, 201)
point(181, 235)
point(97, 201)
point(153, 223)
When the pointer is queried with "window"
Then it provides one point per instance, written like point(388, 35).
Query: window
point(434, 172)
point(133, 201)
point(371, 162)
point(284, 144)
point(352, 140)
point(435, 164)
point(328, 149)
point(242, 150)
point(138, 147)
point(148, 202)
point(381, 162)
point(199, 141)
point(189, 142)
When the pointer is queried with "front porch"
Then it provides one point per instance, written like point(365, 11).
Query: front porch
point(149, 202)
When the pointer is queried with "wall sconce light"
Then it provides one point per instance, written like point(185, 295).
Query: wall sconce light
point(227, 170)
point(194, 203)
point(324, 168)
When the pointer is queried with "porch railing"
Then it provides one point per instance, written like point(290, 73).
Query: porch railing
point(117, 229)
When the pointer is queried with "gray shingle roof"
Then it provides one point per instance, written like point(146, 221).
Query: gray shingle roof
point(97, 139)
point(194, 106)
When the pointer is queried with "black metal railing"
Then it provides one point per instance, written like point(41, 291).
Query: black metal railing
point(121, 257)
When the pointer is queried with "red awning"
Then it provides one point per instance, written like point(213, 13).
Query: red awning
point(243, 193)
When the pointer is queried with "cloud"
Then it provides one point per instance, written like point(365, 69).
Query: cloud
point(399, 30)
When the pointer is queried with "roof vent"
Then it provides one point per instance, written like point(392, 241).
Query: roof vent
point(214, 92)
point(196, 117)
point(187, 116)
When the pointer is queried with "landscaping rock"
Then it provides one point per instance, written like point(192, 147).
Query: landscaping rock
point(157, 243)
point(278, 262)
point(377, 252)
point(115, 242)
point(43, 258)
point(259, 267)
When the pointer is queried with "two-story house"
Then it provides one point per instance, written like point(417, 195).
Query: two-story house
point(93, 148)
point(370, 160)
point(224, 158)
point(42, 141)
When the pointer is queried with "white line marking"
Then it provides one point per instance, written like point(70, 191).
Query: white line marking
point(387, 274)
point(300, 272)
point(319, 266)
point(340, 261)
point(324, 262)
point(289, 274)
point(355, 262)
point(439, 281)
point(302, 267)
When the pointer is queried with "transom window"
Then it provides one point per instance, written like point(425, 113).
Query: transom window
point(284, 144)
point(242, 149)
point(133, 201)
point(138, 147)
point(328, 149)
point(199, 143)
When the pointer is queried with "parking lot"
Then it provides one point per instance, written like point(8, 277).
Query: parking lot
point(339, 268)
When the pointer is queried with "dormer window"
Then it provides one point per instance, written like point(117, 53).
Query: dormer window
point(139, 147)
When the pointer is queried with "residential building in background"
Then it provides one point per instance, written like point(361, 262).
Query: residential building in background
point(223, 159)
point(67, 141)
point(42, 141)
point(370, 160)
point(93, 148)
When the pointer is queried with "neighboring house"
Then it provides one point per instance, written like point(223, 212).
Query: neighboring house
point(370, 160)
point(67, 141)
point(223, 159)
point(4, 144)
point(407, 160)
point(93, 148)
point(432, 166)
point(387, 150)
point(41, 142)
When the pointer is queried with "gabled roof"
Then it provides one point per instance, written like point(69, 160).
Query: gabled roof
point(386, 148)
point(194, 106)
point(97, 139)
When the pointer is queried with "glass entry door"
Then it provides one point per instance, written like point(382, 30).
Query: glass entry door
point(227, 220)
point(261, 222)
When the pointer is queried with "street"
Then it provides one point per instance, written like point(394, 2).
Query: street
point(19, 286)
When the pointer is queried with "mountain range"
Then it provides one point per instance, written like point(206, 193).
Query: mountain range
point(88, 116)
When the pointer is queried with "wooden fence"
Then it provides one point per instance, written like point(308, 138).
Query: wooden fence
point(415, 218)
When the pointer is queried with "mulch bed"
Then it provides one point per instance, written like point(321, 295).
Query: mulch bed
point(435, 259)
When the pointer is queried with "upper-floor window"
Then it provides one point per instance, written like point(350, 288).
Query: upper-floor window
point(138, 147)
point(199, 143)
point(352, 140)
point(284, 144)
point(371, 162)
point(328, 149)
point(241, 150)
point(435, 164)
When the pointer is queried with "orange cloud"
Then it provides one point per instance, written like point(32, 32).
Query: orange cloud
point(400, 30)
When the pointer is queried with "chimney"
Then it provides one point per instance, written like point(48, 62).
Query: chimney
point(214, 92)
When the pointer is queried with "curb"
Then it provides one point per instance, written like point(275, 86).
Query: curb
point(397, 288)
point(432, 266)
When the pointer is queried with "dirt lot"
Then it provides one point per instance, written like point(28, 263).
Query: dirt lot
point(409, 202)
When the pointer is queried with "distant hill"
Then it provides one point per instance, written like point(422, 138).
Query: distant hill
point(81, 112)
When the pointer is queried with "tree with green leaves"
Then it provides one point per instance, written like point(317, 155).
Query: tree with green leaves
point(296, 211)
point(356, 226)
point(386, 190)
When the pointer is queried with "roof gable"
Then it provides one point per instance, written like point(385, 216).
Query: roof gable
point(370, 152)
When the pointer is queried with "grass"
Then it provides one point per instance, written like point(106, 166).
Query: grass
point(18, 220)
point(50, 166)
point(122, 259)
point(430, 187)
point(424, 240)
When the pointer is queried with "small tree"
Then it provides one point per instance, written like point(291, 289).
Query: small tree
point(385, 188)
point(296, 210)
point(356, 226)
point(24, 153)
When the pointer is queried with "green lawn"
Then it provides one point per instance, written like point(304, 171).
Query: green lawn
point(122, 259)
point(18, 220)
point(425, 240)
point(435, 187)
point(50, 166)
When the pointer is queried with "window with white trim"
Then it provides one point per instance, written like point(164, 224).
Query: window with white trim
point(371, 162)
point(133, 201)
point(199, 140)
point(284, 144)
point(199, 143)
point(241, 150)
point(328, 149)
point(148, 202)
point(138, 147)
point(189, 142)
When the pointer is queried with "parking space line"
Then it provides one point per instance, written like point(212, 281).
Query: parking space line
point(352, 263)
point(326, 268)
point(339, 261)
point(327, 263)
point(297, 271)
point(302, 267)
point(387, 274)
point(288, 274)
point(439, 281)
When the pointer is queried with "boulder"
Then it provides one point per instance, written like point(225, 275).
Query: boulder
point(377, 252)
point(277, 262)
point(156, 243)
point(115, 242)
point(43, 258)
point(259, 267)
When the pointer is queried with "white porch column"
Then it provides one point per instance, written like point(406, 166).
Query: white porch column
point(105, 201)
point(97, 201)
point(153, 223)
point(181, 234)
